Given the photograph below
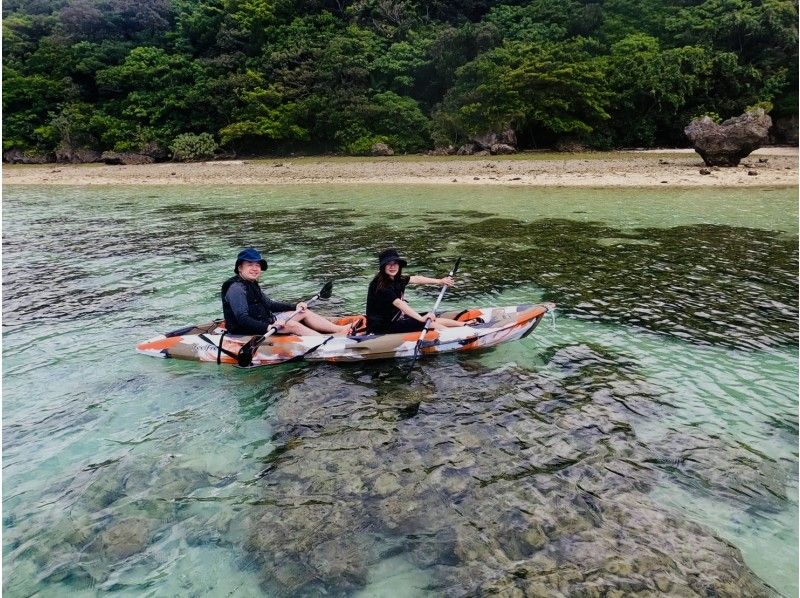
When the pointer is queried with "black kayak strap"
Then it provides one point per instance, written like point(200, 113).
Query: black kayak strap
point(220, 350)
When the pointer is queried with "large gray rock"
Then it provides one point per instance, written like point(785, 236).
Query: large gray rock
point(467, 149)
point(727, 143)
point(382, 149)
point(502, 148)
point(487, 140)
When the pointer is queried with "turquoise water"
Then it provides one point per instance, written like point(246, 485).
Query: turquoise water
point(643, 443)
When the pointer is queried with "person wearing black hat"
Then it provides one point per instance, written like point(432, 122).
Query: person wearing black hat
point(248, 310)
point(387, 310)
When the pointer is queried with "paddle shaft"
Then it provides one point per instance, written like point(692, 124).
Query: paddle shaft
point(428, 319)
point(273, 328)
point(247, 350)
point(438, 301)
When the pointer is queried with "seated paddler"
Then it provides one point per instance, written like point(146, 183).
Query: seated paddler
point(248, 310)
point(387, 310)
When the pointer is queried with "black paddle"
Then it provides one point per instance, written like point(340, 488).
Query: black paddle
point(428, 320)
point(245, 355)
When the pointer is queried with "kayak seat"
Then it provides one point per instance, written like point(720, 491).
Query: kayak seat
point(358, 324)
point(358, 327)
point(470, 315)
point(210, 327)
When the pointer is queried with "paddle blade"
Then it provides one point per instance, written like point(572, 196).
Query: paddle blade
point(325, 291)
point(455, 267)
point(245, 356)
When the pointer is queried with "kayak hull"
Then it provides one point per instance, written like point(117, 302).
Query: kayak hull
point(497, 325)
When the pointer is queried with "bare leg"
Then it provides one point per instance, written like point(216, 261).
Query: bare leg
point(316, 322)
point(450, 323)
point(442, 323)
point(295, 327)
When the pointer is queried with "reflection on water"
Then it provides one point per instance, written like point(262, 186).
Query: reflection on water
point(638, 446)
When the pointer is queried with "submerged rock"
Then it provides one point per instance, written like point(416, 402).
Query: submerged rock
point(111, 514)
point(126, 537)
point(727, 143)
point(735, 473)
point(503, 482)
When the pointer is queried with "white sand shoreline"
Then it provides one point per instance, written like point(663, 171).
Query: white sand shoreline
point(766, 167)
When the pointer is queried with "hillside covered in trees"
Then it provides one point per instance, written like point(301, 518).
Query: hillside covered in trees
point(263, 76)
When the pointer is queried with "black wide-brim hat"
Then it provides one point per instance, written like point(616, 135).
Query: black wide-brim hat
point(250, 254)
point(390, 255)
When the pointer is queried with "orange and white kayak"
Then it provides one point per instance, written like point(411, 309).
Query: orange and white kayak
point(488, 327)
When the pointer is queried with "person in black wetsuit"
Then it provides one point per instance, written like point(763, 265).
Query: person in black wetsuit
point(387, 310)
point(248, 310)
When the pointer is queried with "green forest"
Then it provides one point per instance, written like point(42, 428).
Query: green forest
point(250, 77)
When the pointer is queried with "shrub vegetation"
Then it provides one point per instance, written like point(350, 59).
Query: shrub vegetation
point(336, 76)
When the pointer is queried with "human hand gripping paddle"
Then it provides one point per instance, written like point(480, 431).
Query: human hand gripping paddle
point(245, 355)
point(428, 320)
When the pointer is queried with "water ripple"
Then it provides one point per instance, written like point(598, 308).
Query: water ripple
point(657, 421)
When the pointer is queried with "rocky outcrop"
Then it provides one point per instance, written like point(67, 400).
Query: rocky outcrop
point(504, 142)
point(17, 156)
point(727, 143)
point(487, 144)
point(498, 149)
point(442, 151)
point(467, 149)
point(125, 158)
point(76, 155)
point(474, 149)
point(154, 150)
point(146, 154)
point(382, 149)
point(487, 140)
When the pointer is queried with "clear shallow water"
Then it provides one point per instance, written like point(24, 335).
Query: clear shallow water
point(630, 447)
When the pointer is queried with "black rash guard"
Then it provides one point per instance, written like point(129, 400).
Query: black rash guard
point(380, 309)
point(247, 310)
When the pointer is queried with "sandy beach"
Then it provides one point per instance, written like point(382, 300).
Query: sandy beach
point(767, 167)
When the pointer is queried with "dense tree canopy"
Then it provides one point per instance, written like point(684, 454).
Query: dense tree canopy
point(267, 76)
